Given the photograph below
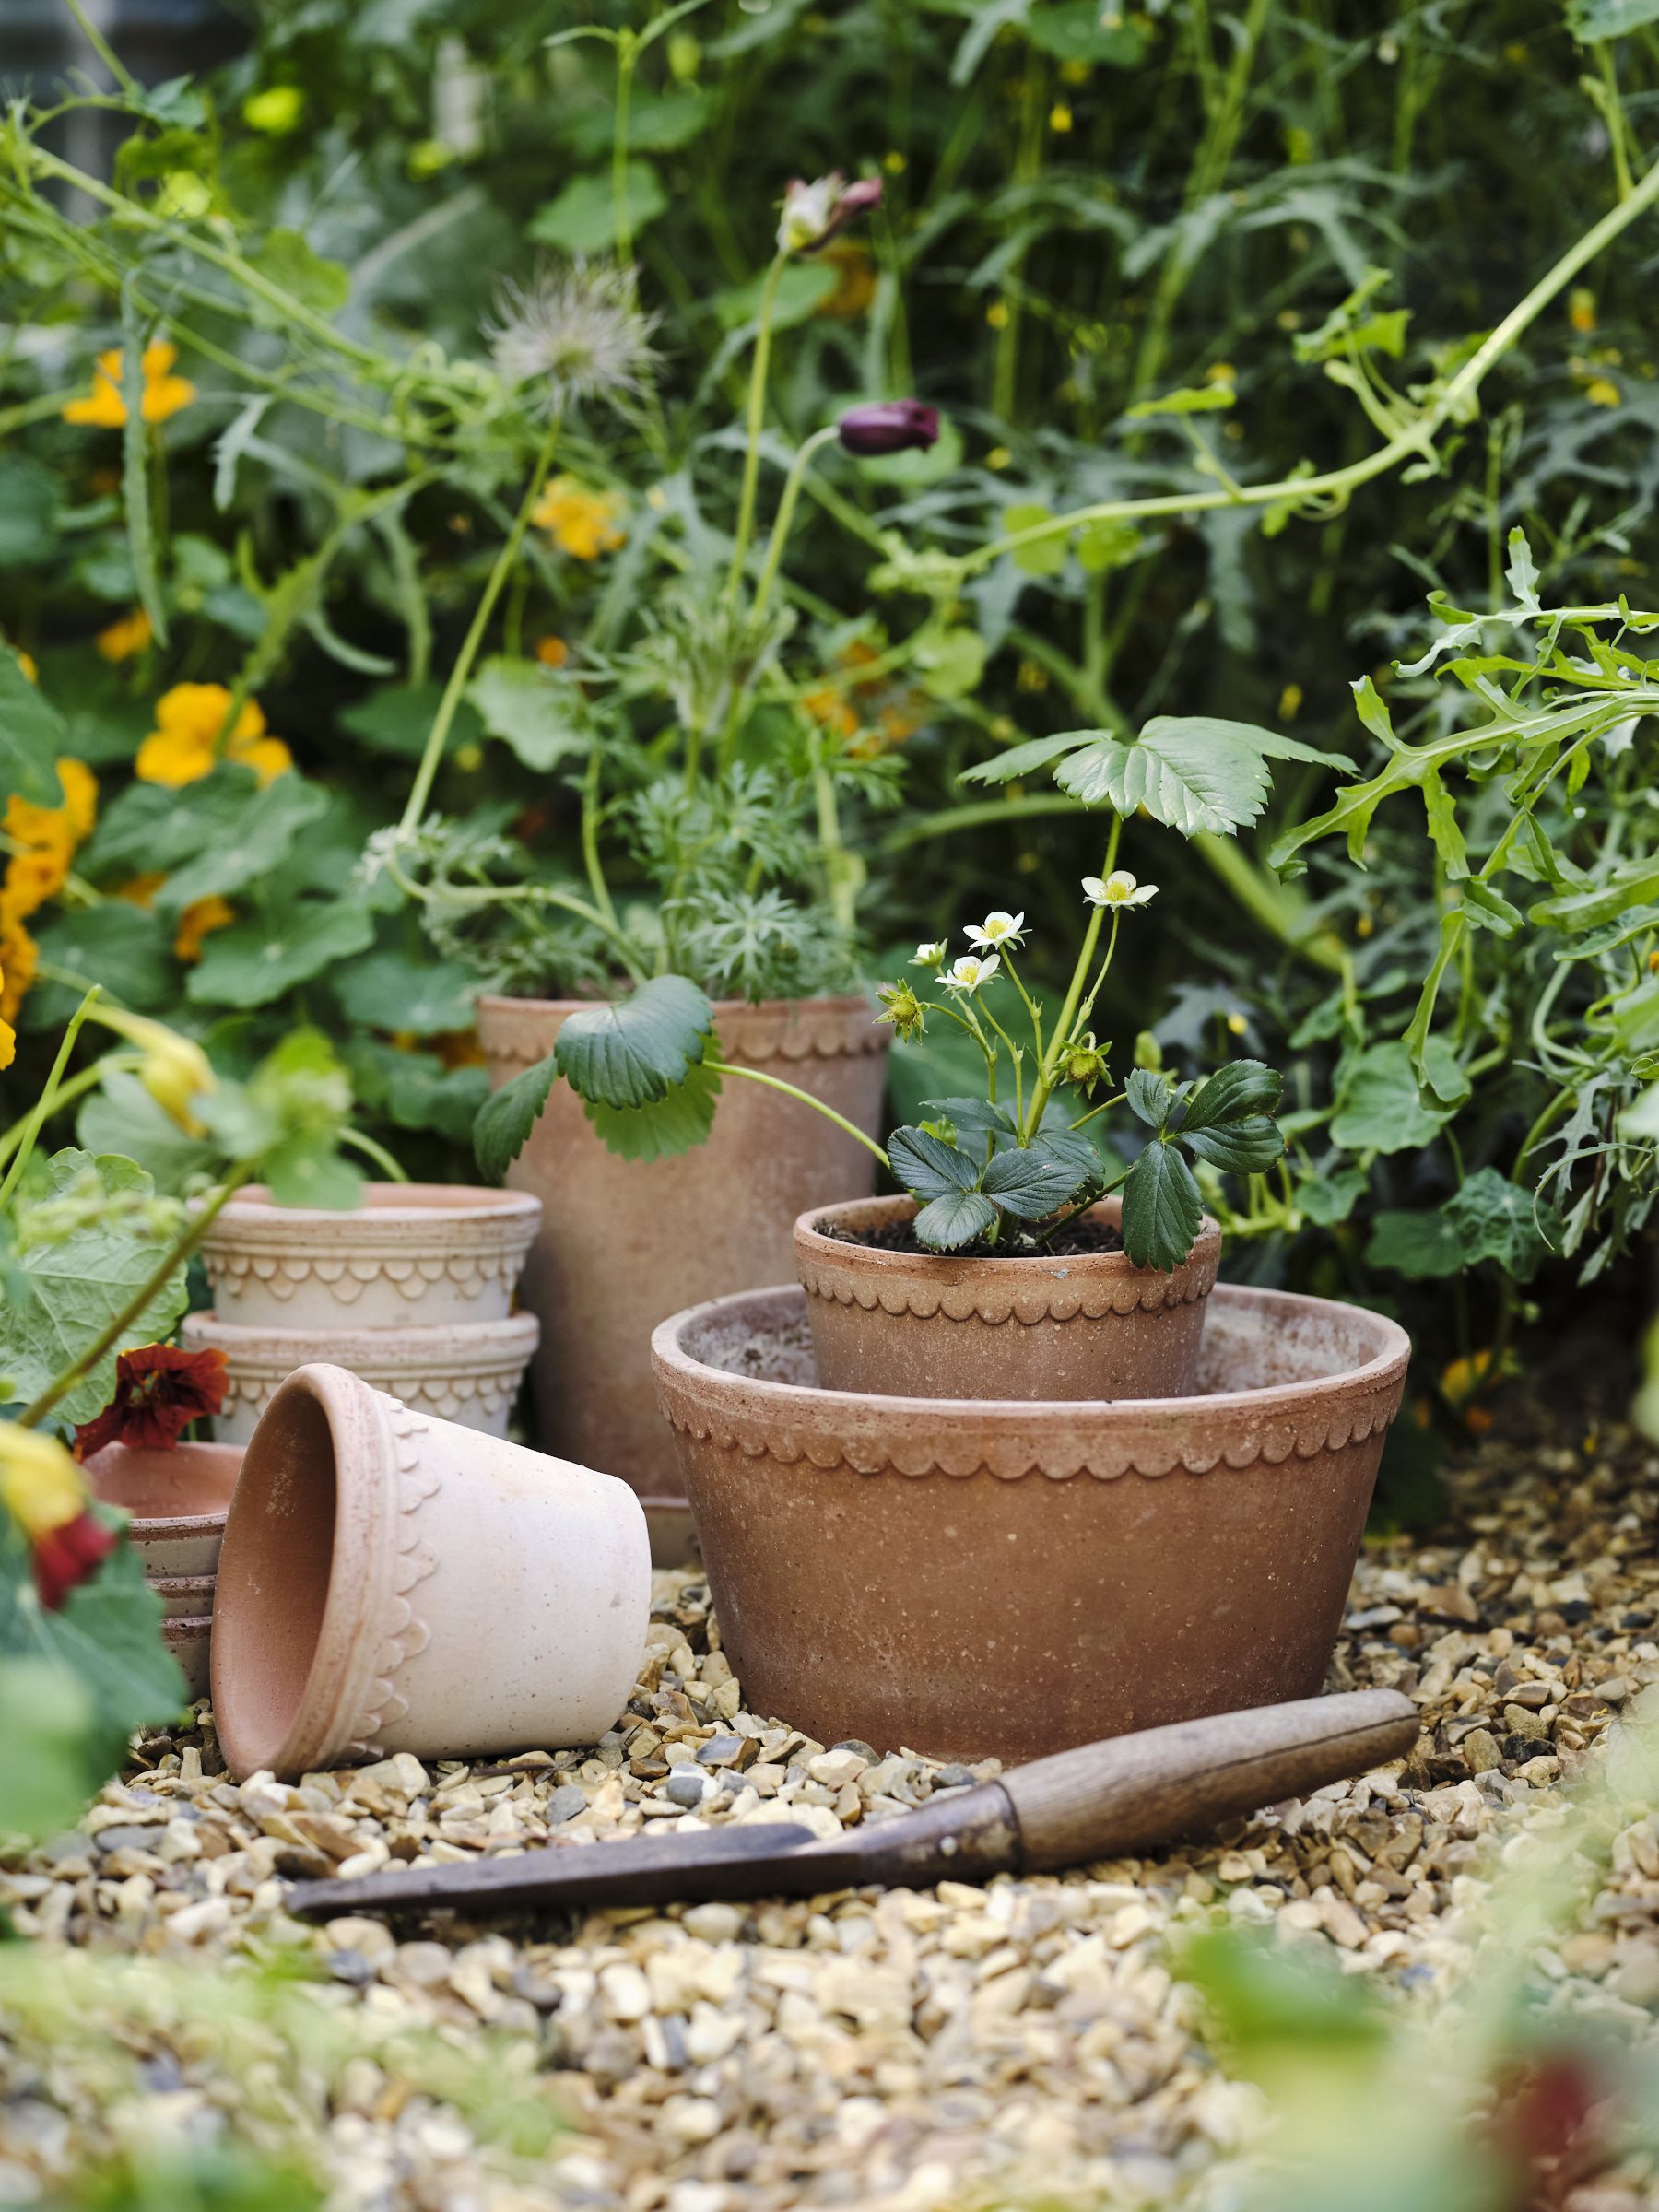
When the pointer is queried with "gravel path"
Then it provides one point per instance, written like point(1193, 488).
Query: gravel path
point(900, 2051)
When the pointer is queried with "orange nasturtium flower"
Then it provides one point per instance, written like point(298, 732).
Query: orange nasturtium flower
point(551, 651)
point(164, 394)
point(185, 746)
point(580, 523)
point(40, 845)
point(199, 920)
point(126, 636)
point(42, 1489)
point(160, 1390)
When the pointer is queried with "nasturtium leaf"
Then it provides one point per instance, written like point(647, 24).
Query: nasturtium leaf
point(1380, 1107)
point(119, 946)
point(1240, 1090)
point(634, 1053)
point(658, 122)
point(1495, 1219)
point(538, 712)
point(505, 1121)
point(1044, 556)
point(1150, 1097)
point(31, 737)
point(121, 1116)
point(1162, 1210)
point(949, 664)
point(1107, 545)
point(27, 511)
point(149, 825)
point(928, 1167)
point(1444, 1074)
point(1329, 1197)
point(1082, 30)
point(1420, 1246)
point(1029, 1184)
point(83, 1276)
point(48, 1765)
point(255, 839)
point(1593, 20)
point(582, 220)
point(415, 1090)
point(107, 1634)
point(260, 958)
point(953, 1219)
point(397, 719)
point(389, 991)
point(664, 1129)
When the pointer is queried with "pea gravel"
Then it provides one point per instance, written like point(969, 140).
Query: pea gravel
point(961, 2046)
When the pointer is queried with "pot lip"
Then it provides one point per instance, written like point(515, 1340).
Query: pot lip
point(446, 1346)
point(219, 1461)
point(948, 1269)
point(837, 1002)
point(344, 1657)
point(1011, 1417)
point(404, 1207)
point(175, 1585)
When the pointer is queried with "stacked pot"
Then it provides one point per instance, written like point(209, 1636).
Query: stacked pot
point(412, 1289)
point(178, 1500)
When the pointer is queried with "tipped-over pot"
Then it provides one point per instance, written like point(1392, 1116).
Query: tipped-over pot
point(389, 1581)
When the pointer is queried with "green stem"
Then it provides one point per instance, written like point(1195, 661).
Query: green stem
point(372, 1149)
point(152, 1288)
point(753, 1074)
point(48, 1098)
point(1068, 1013)
point(102, 49)
point(422, 789)
point(590, 839)
point(785, 516)
point(627, 53)
point(756, 420)
point(1413, 443)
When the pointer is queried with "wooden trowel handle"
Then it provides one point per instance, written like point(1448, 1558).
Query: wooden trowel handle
point(1135, 1791)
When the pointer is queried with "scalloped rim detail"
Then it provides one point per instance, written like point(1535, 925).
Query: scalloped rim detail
point(404, 1634)
point(787, 1030)
point(282, 1271)
point(1057, 1304)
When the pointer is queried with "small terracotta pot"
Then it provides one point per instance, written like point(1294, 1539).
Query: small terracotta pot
point(390, 1583)
point(191, 1643)
point(178, 1500)
point(971, 1578)
point(412, 1254)
point(625, 1242)
point(921, 1325)
point(465, 1372)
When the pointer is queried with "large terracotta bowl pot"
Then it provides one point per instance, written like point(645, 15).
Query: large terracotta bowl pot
point(625, 1242)
point(973, 1577)
point(1041, 1326)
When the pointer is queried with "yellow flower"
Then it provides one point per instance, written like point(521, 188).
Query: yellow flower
point(164, 394)
point(26, 660)
point(1580, 309)
point(20, 956)
point(551, 652)
point(185, 745)
point(199, 920)
point(40, 1482)
point(1060, 116)
point(175, 1069)
point(140, 890)
point(580, 523)
point(1602, 392)
point(41, 842)
point(131, 634)
point(996, 315)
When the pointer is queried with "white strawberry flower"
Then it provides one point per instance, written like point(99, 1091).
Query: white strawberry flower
point(1119, 888)
point(970, 972)
point(998, 928)
point(929, 956)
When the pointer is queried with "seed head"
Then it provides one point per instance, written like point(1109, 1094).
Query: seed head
point(576, 332)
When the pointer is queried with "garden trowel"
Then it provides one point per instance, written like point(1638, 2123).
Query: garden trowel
point(1100, 1801)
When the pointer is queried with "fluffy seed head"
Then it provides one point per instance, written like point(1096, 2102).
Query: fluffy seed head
point(576, 332)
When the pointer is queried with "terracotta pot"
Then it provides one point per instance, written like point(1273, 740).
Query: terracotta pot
point(191, 1643)
point(623, 1243)
point(390, 1583)
point(972, 1578)
point(926, 1325)
point(412, 1254)
point(178, 1500)
point(465, 1372)
point(185, 1596)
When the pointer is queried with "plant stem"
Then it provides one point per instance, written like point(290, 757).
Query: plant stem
point(422, 789)
point(102, 49)
point(1061, 1034)
point(1413, 443)
point(48, 1098)
point(372, 1149)
point(628, 53)
point(756, 420)
point(590, 839)
point(753, 1074)
point(785, 516)
point(153, 1286)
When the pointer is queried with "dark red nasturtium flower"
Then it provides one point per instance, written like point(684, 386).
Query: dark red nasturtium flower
point(65, 1556)
point(160, 1390)
point(889, 426)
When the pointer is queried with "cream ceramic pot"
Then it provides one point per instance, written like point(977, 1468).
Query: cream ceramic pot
point(390, 1583)
point(465, 1372)
point(178, 1500)
point(412, 1254)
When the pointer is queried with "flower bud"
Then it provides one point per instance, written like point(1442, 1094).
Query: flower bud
point(903, 1010)
point(889, 426)
point(175, 1069)
point(813, 212)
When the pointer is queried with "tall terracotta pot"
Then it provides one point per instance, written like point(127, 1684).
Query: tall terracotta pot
point(624, 1243)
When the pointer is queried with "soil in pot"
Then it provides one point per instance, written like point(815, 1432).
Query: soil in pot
point(971, 1579)
point(1075, 1320)
point(623, 1243)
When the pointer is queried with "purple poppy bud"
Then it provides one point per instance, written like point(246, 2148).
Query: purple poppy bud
point(889, 426)
point(813, 212)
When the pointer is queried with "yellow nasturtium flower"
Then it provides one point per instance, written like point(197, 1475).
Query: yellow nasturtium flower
point(580, 523)
point(185, 746)
point(129, 635)
point(40, 845)
point(174, 1069)
point(164, 394)
point(199, 920)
